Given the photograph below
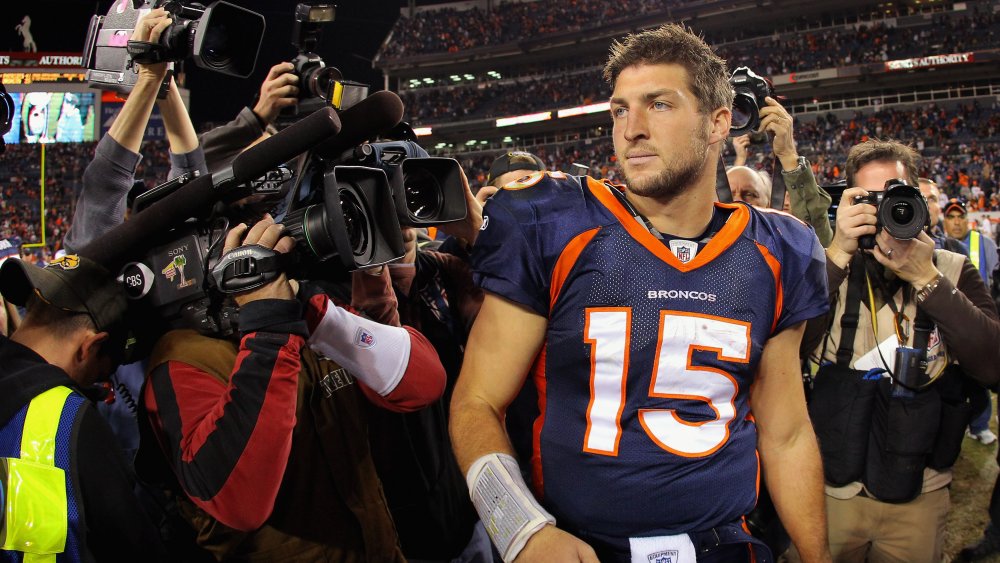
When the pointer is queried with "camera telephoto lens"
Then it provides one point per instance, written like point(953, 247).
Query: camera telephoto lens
point(215, 49)
point(424, 196)
point(744, 110)
point(902, 212)
point(359, 230)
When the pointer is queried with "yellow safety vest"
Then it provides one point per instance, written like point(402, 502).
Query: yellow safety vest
point(974, 248)
point(35, 506)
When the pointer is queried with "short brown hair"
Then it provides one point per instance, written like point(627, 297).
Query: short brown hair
point(877, 150)
point(675, 44)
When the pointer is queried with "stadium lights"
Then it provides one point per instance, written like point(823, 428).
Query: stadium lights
point(469, 77)
point(428, 81)
point(520, 119)
point(456, 78)
point(440, 145)
point(422, 131)
point(507, 140)
point(583, 110)
point(470, 143)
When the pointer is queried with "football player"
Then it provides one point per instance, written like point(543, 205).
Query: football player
point(661, 330)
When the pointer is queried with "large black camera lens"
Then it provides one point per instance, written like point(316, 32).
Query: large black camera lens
point(226, 39)
point(359, 229)
point(749, 91)
point(903, 212)
point(745, 114)
point(424, 196)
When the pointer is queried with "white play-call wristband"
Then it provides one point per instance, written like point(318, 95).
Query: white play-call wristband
point(505, 504)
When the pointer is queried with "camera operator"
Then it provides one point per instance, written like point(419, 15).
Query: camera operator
point(808, 202)
point(73, 493)
point(224, 415)
point(425, 489)
point(109, 177)
point(278, 91)
point(887, 484)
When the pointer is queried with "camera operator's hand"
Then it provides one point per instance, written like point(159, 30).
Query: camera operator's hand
point(268, 234)
point(741, 145)
point(279, 90)
point(148, 29)
point(468, 229)
point(911, 260)
point(485, 193)
point(853, 222)
point(775, 119)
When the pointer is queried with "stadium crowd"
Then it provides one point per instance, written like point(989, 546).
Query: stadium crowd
point(770, 55)
point(624, 336)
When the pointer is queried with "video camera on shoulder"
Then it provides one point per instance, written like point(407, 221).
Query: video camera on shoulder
point(901, 211)
point(750, 89)
point(222, 37)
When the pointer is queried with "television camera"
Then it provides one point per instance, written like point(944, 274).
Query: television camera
point(222, 37)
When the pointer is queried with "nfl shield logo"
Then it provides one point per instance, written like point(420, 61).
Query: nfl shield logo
point(364, 339)
point(684, 254)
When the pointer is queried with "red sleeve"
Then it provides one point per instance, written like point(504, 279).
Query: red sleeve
point(422, 383)
point(229, 444)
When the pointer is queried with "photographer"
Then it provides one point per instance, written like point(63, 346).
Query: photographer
point(224, 415)
point(425, 489)
point(279, 90)
point(808, 202)
point(887, 484)
point(109, 177)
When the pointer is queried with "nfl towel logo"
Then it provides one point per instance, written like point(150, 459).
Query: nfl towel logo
point(684, 250)
point(667, 556)
point(364, 339)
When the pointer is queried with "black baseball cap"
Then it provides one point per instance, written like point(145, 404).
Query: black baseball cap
point(957, 205)
point(73, 283)
point(514, 160)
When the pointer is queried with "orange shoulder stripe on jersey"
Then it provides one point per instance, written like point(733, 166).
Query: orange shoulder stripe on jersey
point(775, 267)
point(722, 240)
point(567, 258)
point(538, 376)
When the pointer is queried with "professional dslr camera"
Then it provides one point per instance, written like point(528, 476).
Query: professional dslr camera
point(750, 90)
point(319, 85)
point(222, 37)
point(902, 211)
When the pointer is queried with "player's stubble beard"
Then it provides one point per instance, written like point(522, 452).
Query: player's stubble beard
point(680, 174)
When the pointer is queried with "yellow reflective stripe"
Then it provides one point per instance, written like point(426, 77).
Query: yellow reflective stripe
point(37, 513)
point(38, 439)
point(974, 248)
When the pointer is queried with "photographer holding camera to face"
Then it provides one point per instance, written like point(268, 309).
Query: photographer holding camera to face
point(805, 198)
point(888, 405)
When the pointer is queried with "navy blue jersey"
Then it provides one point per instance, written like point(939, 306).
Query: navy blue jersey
point(644, 426)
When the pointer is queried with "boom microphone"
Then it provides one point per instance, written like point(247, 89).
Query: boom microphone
point(127, 241)
point(364, 121)
point(286, 145)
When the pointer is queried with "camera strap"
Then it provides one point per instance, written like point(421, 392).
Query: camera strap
point(248, 267)
point(777, 185)
point(852, 309)
point(722, 188)
point(145, 53)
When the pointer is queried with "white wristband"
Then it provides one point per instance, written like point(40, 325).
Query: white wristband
point(376, 354)
point(505, 504)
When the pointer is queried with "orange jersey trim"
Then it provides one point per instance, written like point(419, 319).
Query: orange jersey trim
point(538, 376)
point(722, 240)
point(779, 296)
point(567, 259)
